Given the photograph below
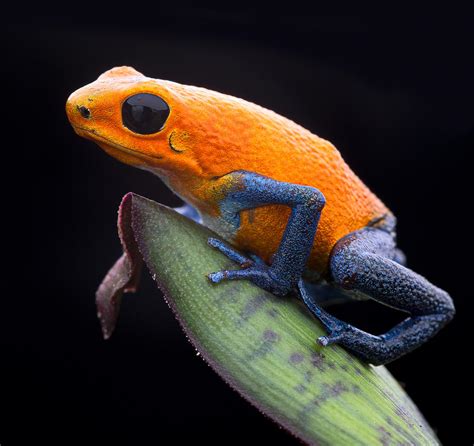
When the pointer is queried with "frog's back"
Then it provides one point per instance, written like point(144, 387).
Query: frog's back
point(239, 135)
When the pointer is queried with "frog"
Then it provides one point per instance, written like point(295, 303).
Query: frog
point(283, 203)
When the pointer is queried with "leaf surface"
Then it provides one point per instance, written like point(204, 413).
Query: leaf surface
point(262, 345)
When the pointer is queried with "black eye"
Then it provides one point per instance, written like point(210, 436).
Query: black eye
point(145, 113)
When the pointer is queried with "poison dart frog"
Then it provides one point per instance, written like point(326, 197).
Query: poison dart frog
point(286, 207)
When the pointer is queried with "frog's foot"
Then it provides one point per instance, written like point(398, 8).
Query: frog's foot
point(338, 331)
point(253, 269)
point(342, 334)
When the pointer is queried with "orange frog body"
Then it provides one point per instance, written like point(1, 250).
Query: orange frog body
point(297, 219)
point(208, 135)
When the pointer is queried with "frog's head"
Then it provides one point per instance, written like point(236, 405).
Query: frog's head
point(138, 120)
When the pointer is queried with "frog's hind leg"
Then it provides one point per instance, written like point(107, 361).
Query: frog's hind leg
point(367, 261)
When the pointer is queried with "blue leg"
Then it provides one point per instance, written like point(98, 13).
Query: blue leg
point(251, 190)
point(188, 211)
point(367, 261)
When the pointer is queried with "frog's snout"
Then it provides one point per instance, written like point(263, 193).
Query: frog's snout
point(79, 111)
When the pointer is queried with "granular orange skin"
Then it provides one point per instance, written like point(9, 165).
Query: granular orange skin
point(209, 135)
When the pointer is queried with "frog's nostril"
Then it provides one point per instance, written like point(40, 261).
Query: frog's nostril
point(84, 111)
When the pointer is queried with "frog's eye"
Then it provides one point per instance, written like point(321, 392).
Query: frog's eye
point(145, 113)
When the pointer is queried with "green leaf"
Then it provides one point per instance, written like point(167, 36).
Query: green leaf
point(263, 346)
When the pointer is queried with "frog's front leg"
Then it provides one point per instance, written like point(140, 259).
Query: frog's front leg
point(250, 190)
point(368, 261)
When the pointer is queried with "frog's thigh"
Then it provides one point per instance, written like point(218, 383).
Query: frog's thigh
point(367, 261)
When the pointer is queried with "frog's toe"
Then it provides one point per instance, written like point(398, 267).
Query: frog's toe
point(341, 333)
point(333, 338)
point(257, 274)
point(218, 276)
point(229, 252)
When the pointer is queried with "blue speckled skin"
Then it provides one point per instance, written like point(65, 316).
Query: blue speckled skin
point(368, 261)
point(364, 263)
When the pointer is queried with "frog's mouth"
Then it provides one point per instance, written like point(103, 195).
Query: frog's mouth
point(113, 148)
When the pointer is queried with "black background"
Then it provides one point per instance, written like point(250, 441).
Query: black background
point(393, 89)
